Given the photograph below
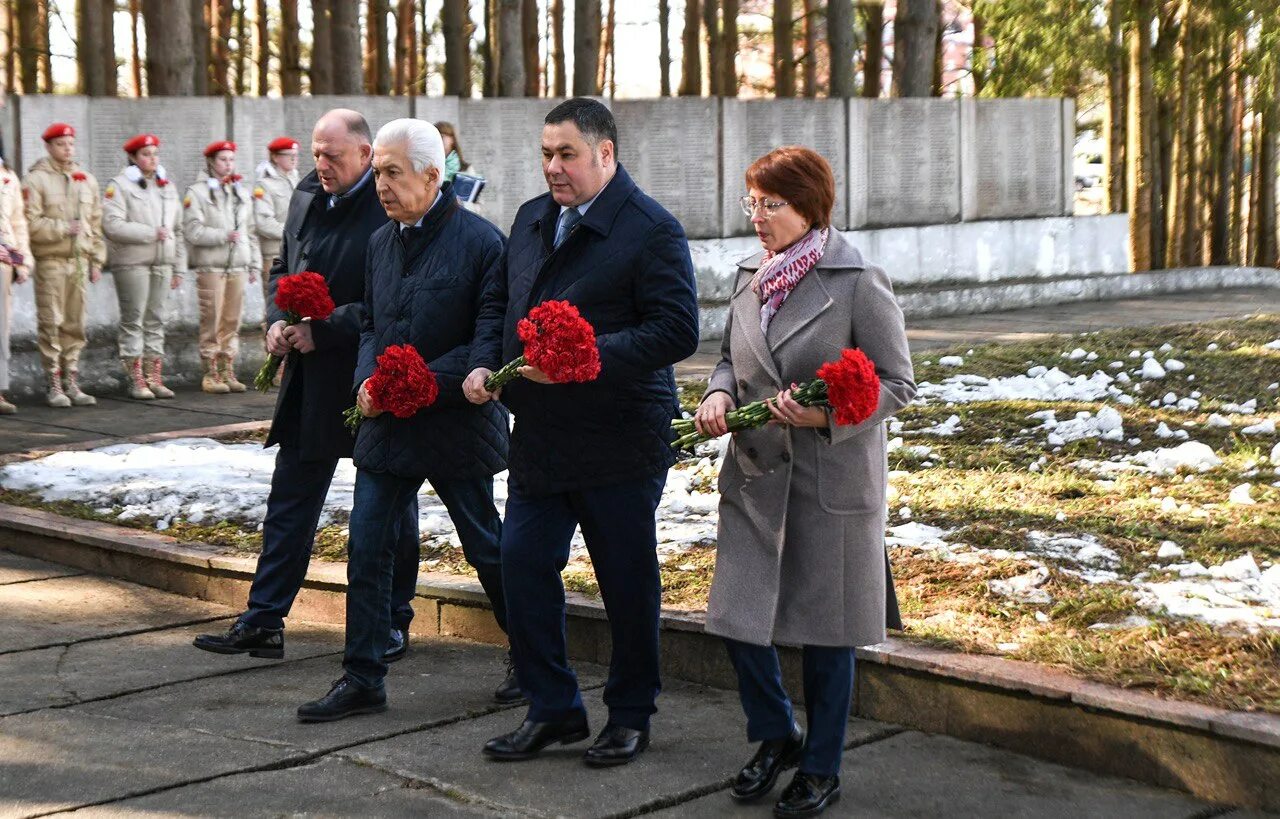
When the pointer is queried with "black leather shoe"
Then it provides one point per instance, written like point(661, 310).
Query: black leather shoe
point(773, 757)
point(616, 745)
point(243, 638)
point(531, 737)
point(509, 693)
point(807, 795)
point(345, 699)
point(397, 645)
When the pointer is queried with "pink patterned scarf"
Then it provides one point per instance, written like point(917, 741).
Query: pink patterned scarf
point(781, 272)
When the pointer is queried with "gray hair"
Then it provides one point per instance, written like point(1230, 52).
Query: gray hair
point(422, 141)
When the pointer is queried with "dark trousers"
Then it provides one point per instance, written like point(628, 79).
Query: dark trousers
point(298, 489)
point(618, 526)
point(828, 693)
point(377, 512)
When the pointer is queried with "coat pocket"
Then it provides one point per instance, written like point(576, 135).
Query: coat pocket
point(853, 476)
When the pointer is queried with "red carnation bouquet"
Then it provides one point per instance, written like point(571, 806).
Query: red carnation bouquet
point(401, 384)
point(558, 341)
point(848, 386)
point(302, 296)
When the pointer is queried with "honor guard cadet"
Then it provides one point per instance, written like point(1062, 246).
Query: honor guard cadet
point(64, 217)
point(142, 219)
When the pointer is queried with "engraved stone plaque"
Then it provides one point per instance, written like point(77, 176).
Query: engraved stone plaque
point(671, 148)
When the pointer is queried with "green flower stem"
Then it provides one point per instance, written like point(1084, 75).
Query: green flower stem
point(748, 416)
point(267, 374)
point(352, 417)
point(504, 376)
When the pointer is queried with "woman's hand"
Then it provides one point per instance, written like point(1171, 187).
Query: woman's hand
point(786, 410)
point(709, 418)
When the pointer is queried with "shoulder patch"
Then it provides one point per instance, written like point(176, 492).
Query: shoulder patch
point(110, 192)
point(259, 191)
point(186, 201)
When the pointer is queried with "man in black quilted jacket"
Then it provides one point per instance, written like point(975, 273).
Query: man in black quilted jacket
point(425, 274)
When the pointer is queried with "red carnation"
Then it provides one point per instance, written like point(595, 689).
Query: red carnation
point(79, 176)
point(853, 388)
point(401, 384)
point(849, 386)
point(232, 178)
point(558, 341)
point(301, 296)
point(161, 181)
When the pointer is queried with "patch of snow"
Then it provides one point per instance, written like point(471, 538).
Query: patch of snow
point(1267, 427)
point(951, 361)
point(1240, 495)
point(1151, 369)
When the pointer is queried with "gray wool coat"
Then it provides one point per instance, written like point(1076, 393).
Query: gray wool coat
point(801, 556)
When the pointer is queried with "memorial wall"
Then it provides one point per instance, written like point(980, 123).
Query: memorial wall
point(897, 162)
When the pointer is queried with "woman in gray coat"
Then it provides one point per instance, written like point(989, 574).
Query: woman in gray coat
point(801, 558)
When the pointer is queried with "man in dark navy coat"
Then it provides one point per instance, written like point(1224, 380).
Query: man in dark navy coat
point(332, 214)
point(591, 455)
point(425, 276)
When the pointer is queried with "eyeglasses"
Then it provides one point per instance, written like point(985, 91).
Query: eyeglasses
point(750, 205)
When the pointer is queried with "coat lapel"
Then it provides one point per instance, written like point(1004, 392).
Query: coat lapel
point(746, 309)
point(807, 301)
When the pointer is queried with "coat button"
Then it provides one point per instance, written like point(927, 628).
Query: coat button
point(751, 452)
point(786, 457)
point(742, 384)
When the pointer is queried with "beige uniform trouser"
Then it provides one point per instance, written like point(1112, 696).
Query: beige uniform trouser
point(144, 296)
point(60, 312)
point(221, 301)
point(6, 316)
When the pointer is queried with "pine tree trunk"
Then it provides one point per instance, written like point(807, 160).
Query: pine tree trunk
point(1267, 243)
point(784, 57)
point(1245, 247)
point(1220, 229)
point(729, 49)
point(170, 57)
point(559, 79)
point(242, 50)
point(11, 47)
point(586, 47)
point(46, 51)
point(1141, 136)
point(321, 70)
point(406, 47)
point(873, 55)
point(290, 50)
point(1180, 179)
point(715, 45)
point(529, 38)
point(89, 32)
point(611, 53)
point(809, 63)
point(915, 35)
point(1237, 251)
point(1115, 115)
point(606, 44)
point(110, 68)
point(511, 50)
point(344, 48)
point(455, 26)
point(377, 57)
point(262, 46)
point(978, 55)
point(222, 48)
point(841, 40)
point(935, 83)
point(691, 64)
point(489, 51)
point(135, 52)
point(28, 39)
point(200, 43)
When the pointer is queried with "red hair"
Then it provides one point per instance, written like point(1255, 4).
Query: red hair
point(800, 176)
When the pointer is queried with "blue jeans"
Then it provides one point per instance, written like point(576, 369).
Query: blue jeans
point(828, 694)
point(619, 529)
point(298, 490)
point(380, 502)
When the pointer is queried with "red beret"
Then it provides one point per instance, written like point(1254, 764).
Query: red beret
point(58, 129)
point(221, 145)
point(282, 144)
point(139, 142)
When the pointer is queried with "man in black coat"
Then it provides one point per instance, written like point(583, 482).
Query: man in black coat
point(593, 455)
point(424, 280)
point(332, 214)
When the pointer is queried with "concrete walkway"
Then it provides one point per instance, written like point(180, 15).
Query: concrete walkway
point(115, 417)
point(106, 709)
